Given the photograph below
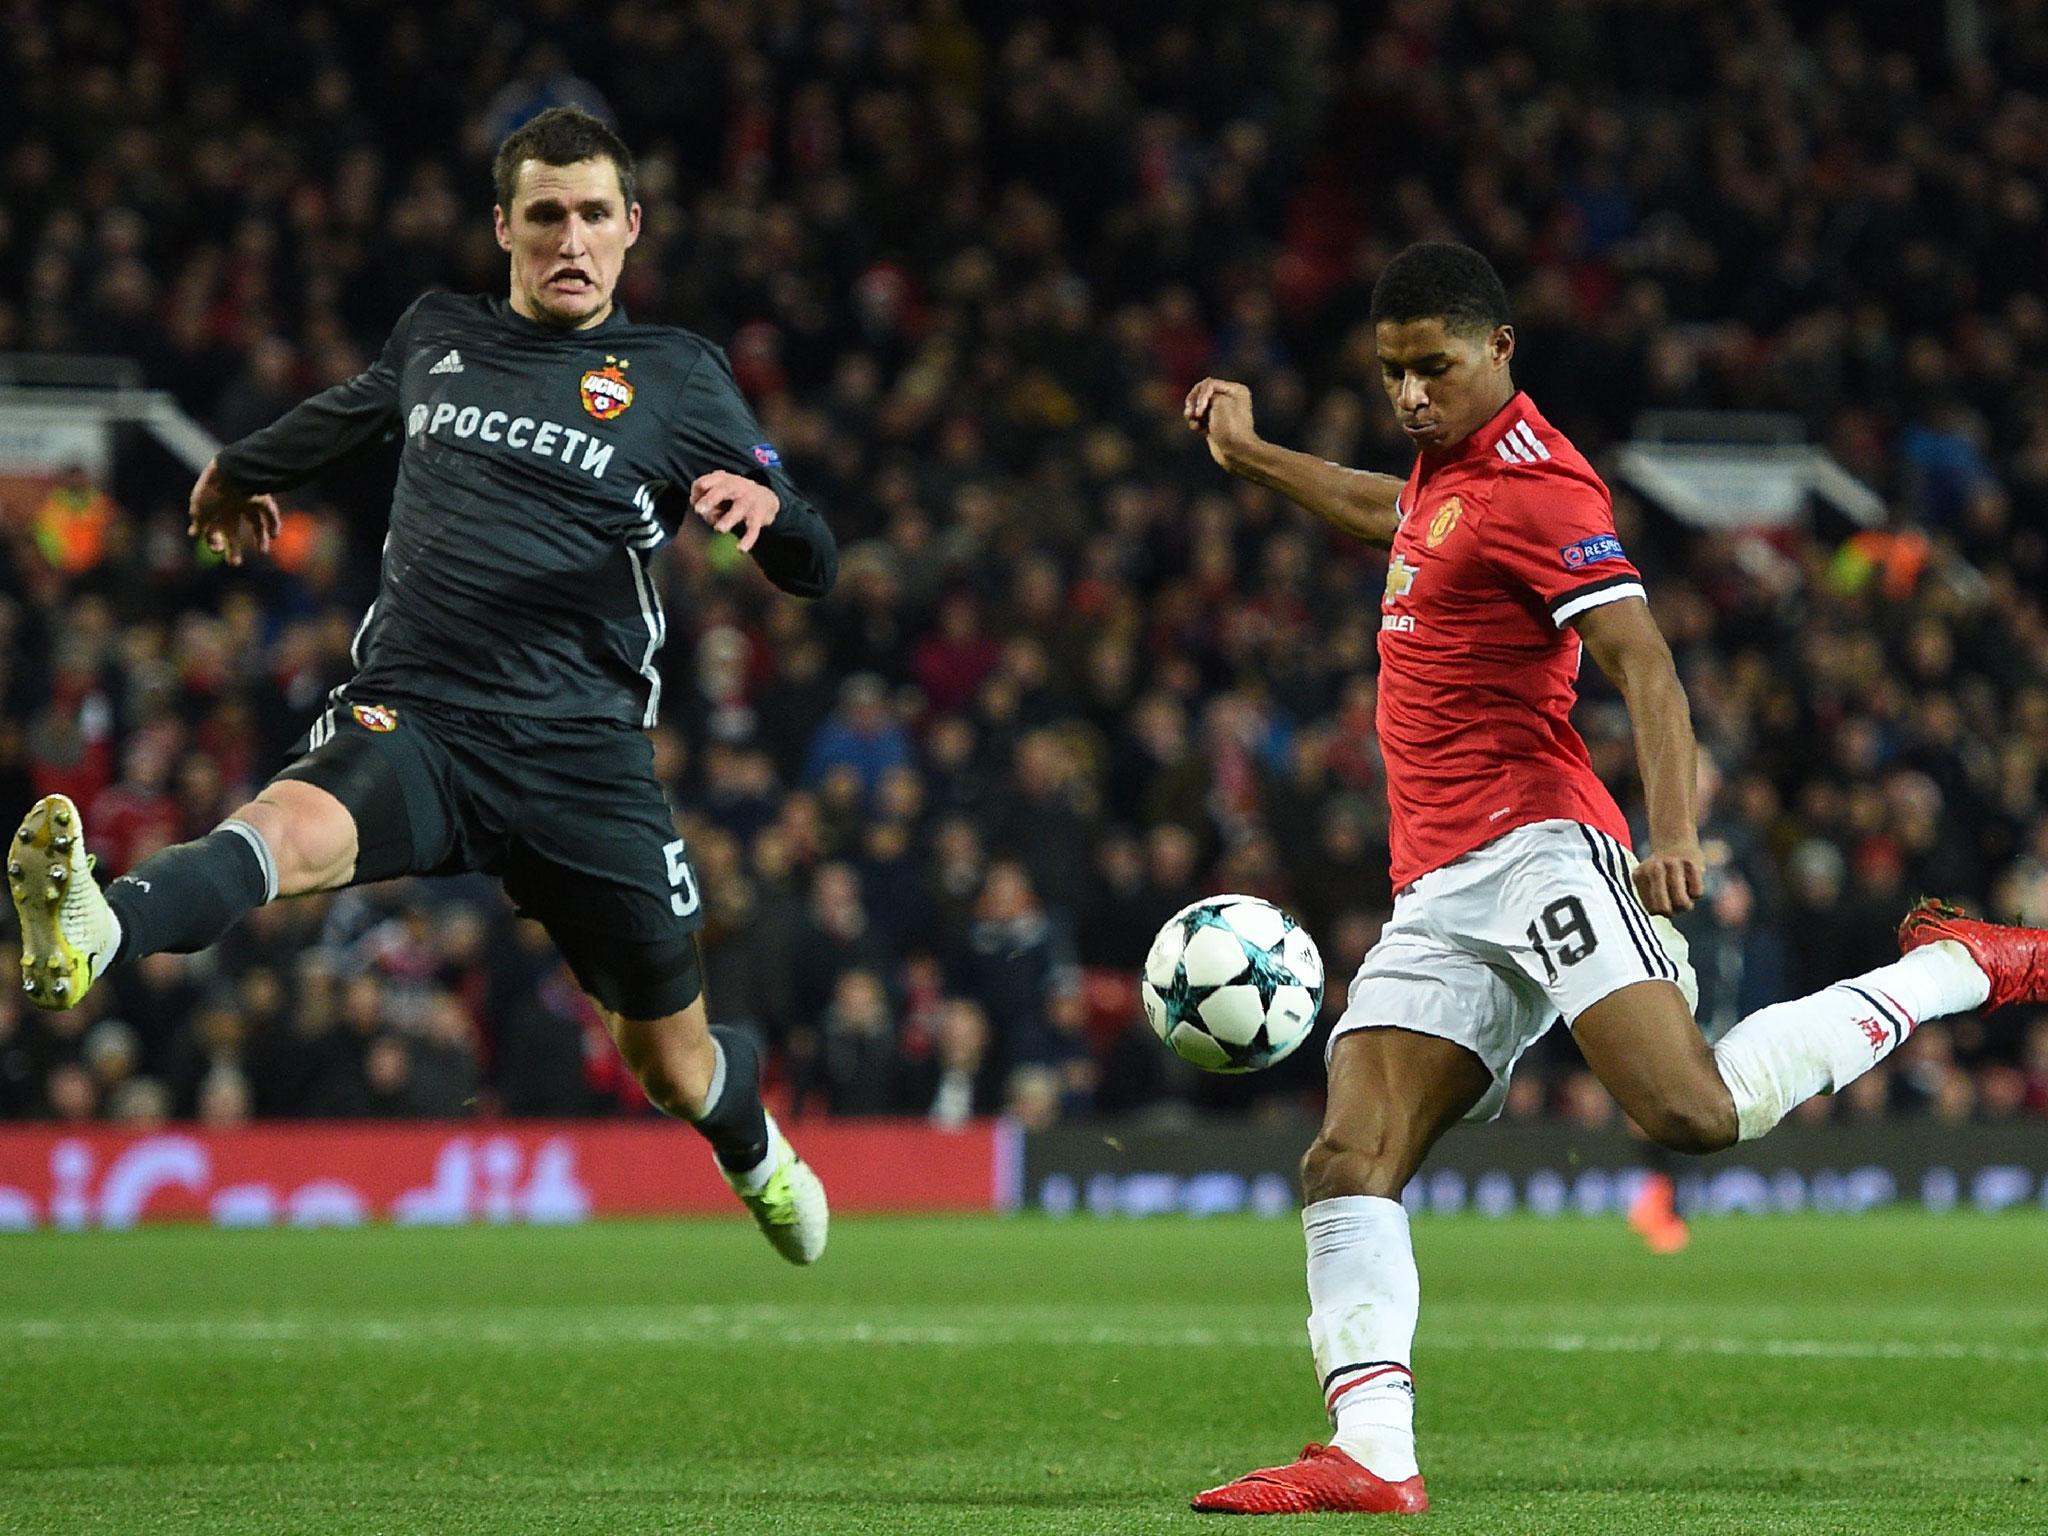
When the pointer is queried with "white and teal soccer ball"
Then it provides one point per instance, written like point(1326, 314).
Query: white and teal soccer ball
point(1232, 984)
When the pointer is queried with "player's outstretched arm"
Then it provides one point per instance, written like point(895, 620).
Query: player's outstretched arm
point(788, 540)
point(799, 553)
point(738, 485)
point(316, 432)
point(228, 519)
point(1353, 501)
point(1626, 644)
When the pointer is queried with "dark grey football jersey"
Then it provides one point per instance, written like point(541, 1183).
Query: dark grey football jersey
point(541, 469)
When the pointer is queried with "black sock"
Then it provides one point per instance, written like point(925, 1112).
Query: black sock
point(734, 1121)
point(186, 897)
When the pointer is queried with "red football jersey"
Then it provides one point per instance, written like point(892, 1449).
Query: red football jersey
point(1502, 539)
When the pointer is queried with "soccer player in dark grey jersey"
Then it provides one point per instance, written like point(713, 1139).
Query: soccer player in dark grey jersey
point(507, 667)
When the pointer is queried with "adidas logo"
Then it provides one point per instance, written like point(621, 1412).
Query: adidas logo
point(1519, 444)
point(452, 363)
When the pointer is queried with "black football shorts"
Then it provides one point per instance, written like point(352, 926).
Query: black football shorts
point(566, 813)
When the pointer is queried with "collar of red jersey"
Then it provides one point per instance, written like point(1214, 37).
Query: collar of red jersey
point(1481, 441)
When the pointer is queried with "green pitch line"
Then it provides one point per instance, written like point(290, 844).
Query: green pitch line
point(1873, 1375)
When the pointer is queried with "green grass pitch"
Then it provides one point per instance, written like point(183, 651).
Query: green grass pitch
point(1852, 1375)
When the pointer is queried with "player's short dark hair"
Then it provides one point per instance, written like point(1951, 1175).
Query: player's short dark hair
point(1440, 280)
point(560, 136)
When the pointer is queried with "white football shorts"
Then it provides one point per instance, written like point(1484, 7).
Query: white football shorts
point(1493, 948)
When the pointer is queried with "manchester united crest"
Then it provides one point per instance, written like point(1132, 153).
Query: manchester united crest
point(606, 394)
point(375, 717)
point(1445, 520)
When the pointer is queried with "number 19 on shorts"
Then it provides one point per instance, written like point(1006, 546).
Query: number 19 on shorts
point(683, 900)
point(1564, 923)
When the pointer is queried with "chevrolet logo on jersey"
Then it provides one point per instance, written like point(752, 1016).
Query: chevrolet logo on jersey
point(1400, 577)
point(606, 394)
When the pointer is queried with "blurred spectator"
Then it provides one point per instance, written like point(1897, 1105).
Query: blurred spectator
point(112, 1054)
point(72, 1094)
point(385, 1091)
point(2034, 1068)
point(225, 1099)
point(139, 1104)
point(1032, 1097)
point(1019, 969)
point(443, 1077)
point(959, 1084)
point(135, 816)
point(859, 735)
point(19, 1075)
point(1046, 822)
point(1117, 924)
point(1739, 962)
point(542, 1046)
point(951, 662)
point(74, 524)
point(835, 939)
point(857, 1058)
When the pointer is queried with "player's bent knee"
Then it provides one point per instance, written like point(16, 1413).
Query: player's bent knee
point(1334, 1167)
point(310, 834)
point(676, 1091)
point(672, 1092)
point(1694, 1125)
point(672, 1058)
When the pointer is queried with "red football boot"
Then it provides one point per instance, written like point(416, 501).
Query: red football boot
point(2015, 959)
point(1325, 1481)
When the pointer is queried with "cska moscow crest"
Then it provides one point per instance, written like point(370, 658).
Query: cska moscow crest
point(1445, 520)
point(606, 394)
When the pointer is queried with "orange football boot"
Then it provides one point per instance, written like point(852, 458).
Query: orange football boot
point(1655, 1218)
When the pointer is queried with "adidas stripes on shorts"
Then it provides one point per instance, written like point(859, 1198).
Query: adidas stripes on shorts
point(1493, 948)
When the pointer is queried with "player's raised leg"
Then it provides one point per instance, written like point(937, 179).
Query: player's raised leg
point(293, 838)
point(1641, 1039)
point(596, 859)
point(1643, 1044)
point(711, 1077)
point(1393, 1093)
point(1778, 1057)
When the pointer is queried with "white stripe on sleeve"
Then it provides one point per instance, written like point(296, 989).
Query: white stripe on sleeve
point(1597, 598)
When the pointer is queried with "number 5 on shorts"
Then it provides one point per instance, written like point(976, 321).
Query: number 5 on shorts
point(679, 875)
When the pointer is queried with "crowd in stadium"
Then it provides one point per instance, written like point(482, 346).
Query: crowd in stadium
point(967, 258)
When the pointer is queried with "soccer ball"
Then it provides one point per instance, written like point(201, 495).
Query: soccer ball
point(1232, 984)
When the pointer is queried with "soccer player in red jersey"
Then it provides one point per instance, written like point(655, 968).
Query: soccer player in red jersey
point(1518, 899)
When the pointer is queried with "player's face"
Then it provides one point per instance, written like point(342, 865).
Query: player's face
point(1445, 382)
point(568, 231)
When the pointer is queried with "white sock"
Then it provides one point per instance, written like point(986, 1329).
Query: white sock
point(750, 1181)
point(1781, 1056)
point(1363, 1298)
point(105, 957)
